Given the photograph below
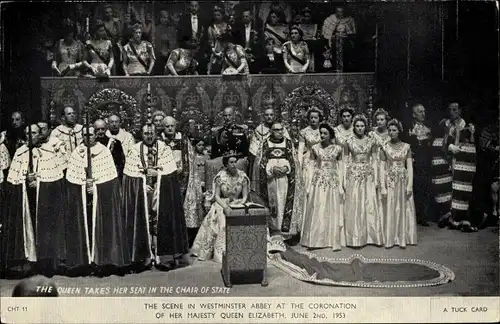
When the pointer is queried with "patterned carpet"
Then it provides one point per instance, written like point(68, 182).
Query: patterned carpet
point(473, 257)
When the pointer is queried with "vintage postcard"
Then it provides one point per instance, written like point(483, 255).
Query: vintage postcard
point(249, 162)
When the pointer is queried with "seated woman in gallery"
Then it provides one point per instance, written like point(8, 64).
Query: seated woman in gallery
point(68, 53)
point(230, 186)
point(296, 52)
point(138, 55)
point(98, 56)
point(182, 60)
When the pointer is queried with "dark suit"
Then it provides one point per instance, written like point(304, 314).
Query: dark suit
point(421, 147)
point(254, 42)
point(185, 32)
point(264, 64)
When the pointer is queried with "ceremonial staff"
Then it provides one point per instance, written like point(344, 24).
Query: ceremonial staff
point(30, 151)
point(87, 137)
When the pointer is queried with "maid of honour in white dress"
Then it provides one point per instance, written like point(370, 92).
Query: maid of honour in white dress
point(380, 135)
point(400, 222)
point(363, 217)
point(323, 217)
point(308, 137)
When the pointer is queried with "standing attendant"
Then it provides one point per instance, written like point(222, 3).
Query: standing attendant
point(344, 130)
point(459, 144)
point(380, 136)
point(278, 166)
point(193, 203)
point(420, 140)
point(119, 142)
point(95, 232)
point(259, 136)
point(323, 218)
point(33, 220)
point(70, 132)
point(399, 225)
point(14, 137)
point(154, 218)
point(363, 217)
point(231, 137)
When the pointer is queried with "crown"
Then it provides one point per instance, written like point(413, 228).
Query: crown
point(269, 98)
point(231, 98)
point(192, 99)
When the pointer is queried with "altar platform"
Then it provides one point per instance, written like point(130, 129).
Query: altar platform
point(203, 97)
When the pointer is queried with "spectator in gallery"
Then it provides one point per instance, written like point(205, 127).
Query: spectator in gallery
point(247, 32)
point(340, 30)
point(68, 52)
point(182, 61)
point(165, 41)
point(270, 62)
point(215, 32)
point(147, 30)
point(127, 28)
point(191, 24)
point(98, 55)
point(282, 8)
point(234, 58)
point(138, 55)
point(81, 18)
point(113, 33)
point(276, 31)
point(296, 52)
point(310, 29)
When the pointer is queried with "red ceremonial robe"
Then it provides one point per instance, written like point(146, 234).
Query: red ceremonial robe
point(33, 226)
point(95, 222)
point(159, 214)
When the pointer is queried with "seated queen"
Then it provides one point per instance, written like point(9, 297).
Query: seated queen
point(230, 187)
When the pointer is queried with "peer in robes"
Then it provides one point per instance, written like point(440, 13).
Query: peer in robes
point(259, 136)
point(4, 169)
point(120, 142)
point(33, 229)
point(53, 142)
point(278, 164)
point(69, 132)
point(114, 146)
point(420, 139)
point(95, 223)
point(155, 226)
point(14, 136)
point(459, 145)
point(180, 147)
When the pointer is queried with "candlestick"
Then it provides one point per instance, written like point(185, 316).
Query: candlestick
point(149, 88)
